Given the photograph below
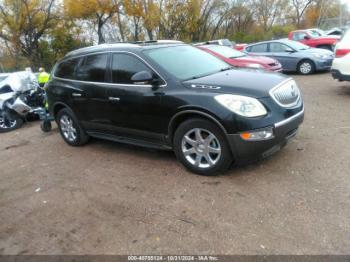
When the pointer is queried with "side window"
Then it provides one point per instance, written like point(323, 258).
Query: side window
point(124, 66)
point(278, 48)
point(93, 68)
point(67, 68)
point(298, 36)
point(262, 48)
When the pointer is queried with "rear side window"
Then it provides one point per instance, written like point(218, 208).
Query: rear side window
point(124, 66)
point(93, 68)
point(67, 68)
point(278, 48)
point(262, 48)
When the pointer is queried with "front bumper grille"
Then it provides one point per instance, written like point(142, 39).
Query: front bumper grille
point(286, 94)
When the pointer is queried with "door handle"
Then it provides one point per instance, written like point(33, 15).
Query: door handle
point(111, 98)
point(76, 94)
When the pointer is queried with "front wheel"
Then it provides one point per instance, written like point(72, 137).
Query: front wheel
point(202, 147)
point(306, 67)
point(8, 124)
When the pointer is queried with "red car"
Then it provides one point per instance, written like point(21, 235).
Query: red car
point(312, 39)
point(239, 59)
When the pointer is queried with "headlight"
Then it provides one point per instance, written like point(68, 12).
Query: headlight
point(254, 66)
point(242, 105)
point(319, 55)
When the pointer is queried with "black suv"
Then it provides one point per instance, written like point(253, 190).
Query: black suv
point(176, 97)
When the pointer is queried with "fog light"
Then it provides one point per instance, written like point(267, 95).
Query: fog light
point(256, 135)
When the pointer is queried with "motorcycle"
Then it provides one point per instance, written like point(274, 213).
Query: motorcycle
point(20, 103)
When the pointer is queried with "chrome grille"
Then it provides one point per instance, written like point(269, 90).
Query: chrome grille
point(286, 94)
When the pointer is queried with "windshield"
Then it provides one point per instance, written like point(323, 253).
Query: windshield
point(186, 62)
point(297, 45)
point(316, 33)
point(3, 78)
point(226, 42)
point(225, 51)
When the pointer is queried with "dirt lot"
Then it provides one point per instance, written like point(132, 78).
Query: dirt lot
point(108, 198)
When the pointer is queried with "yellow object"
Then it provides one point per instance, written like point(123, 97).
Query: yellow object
point(43, 77)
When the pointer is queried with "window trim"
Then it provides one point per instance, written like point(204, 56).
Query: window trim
point(108, 68)
point(110, 74)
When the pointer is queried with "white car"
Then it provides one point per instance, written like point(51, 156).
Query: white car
point(341, 63)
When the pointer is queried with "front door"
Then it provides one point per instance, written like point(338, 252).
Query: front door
point(133, 108)
point(282, 54)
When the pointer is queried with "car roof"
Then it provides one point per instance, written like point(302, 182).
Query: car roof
point(283, 41)
point(140, 45)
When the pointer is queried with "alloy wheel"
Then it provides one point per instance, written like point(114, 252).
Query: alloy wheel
point(305, 68)
point(67, 128)
point(201, 148)
point(6, 123)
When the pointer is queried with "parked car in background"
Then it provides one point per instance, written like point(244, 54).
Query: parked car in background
point(313, 39)
point(240, 47)
point(175, 97)
point(223, 42)
point(294, 56)
point(334, 32)
point(341, 63)
point(239, 59)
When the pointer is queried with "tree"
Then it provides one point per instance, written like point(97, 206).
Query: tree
point(300, 6)
point(23, 23)
point(97, 11)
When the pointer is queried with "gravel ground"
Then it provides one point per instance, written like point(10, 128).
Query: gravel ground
point(108, 198)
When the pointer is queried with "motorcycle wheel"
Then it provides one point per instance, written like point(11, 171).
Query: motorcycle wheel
point(7, 125)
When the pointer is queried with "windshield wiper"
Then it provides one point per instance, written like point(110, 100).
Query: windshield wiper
point(208, 74)
point(226, 68)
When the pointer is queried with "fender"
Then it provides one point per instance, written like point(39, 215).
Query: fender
point(192, 112)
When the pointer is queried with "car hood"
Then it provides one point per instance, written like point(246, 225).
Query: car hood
point(256, 59)
point(248, 82)
point(318, 51)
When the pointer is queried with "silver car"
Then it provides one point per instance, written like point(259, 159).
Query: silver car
point(294, 56)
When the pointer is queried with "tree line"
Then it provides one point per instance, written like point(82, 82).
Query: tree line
point(39, 32)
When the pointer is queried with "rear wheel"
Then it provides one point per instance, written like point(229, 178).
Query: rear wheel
point(202, 147)
point(306, 67)
point(7, 124)
point(70, 129)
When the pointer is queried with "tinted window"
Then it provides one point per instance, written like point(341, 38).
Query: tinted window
point(277, 47)
point(66, 69)
point(93, 68)
point(124, 66)
point(258, 48)
point(186, 62)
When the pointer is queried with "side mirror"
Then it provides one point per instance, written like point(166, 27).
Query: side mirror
point(142, 77)
point(306, 37)
point(289, 50)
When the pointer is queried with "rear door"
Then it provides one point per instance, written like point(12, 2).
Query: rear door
point(259, 49)
point(91, 100)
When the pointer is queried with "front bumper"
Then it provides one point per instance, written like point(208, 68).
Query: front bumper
point(336, 74)
point(251, 150)
point(324, 64)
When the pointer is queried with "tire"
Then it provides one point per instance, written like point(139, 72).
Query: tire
point(10, 125)
point(46, 126)
point(70, 130)
point(306, 67)
point(327, 47)
point(186, 138)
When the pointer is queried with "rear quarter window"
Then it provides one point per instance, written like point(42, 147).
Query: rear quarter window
point(66, 69)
